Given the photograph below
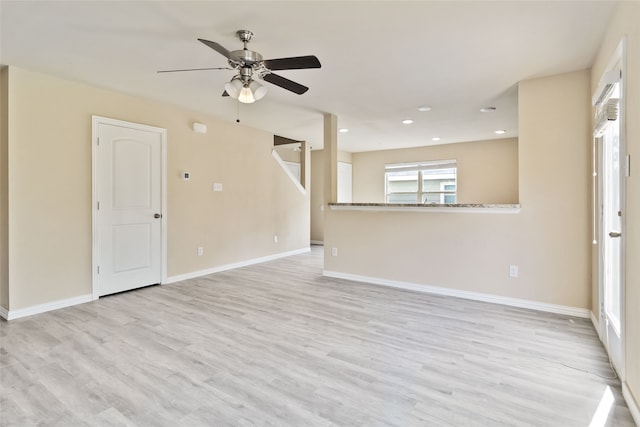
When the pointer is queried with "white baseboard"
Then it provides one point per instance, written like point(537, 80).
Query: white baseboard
point(633, 406)
point(476, 296)
point(200, 273)
point(317, 242)
point(596, 324)
point(42, 308)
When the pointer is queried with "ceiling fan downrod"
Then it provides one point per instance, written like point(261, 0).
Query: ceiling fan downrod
point(244, 36)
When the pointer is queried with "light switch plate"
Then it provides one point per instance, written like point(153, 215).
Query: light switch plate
point(513, 271)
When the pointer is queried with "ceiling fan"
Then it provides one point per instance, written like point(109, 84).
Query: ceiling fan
point(249, 64)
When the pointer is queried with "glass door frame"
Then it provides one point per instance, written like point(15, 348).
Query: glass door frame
point(613, 340)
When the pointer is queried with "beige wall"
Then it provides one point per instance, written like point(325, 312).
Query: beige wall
point(487, 170)
point(548, 240)
point(49, 191)
point(625, 21)
point(4, 230)
point(317, 191)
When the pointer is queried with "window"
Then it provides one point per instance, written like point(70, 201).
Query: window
point(422, 182)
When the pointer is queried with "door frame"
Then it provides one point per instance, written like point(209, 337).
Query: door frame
point(603, 329)
point(96, 121)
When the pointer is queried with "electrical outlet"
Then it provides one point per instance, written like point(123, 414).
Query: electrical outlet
point(334, 251)
point(200, 251)
point(513, 271)
point(275, 239)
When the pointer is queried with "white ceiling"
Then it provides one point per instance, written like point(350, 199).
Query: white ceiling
point(381, 60)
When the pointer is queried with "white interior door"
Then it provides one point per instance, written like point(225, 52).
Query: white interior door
point(128, 192)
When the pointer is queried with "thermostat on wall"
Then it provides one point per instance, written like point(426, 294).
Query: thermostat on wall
point(199, 127)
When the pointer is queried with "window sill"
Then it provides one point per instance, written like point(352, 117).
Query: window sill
point(454, 207)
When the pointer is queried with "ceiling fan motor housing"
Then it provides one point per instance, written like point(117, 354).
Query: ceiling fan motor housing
point(244, 57)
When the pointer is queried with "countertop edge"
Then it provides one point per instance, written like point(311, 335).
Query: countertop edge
point(457, 207)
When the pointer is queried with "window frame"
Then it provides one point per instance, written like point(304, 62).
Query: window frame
point(419, 167)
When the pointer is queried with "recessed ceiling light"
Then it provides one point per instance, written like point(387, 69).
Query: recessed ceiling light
point(435, 138)
point(407, 121)
point(424, 108)
point(343, 130)
point(500, 132)
point(488, 109)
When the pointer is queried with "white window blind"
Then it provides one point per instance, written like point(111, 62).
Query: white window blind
point(606, 100)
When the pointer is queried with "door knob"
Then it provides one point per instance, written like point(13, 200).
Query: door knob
point(157, 215)
point(615, 234)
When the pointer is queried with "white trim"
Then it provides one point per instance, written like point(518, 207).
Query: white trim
point(290, 174)
point(295, 169)
point(417, 166)
point(317, 242)
point(165, 201)
point(42, 308)
point(476, 296)
point(200, 273)
point(631, 403)
point(95, 122)
point(493, 209)
point(596, 324)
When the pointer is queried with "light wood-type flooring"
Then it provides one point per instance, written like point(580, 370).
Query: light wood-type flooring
point(277, 344)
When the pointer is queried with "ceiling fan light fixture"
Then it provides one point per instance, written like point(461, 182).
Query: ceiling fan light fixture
point(234, 87)
point(258, 90)
point(246, 96)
